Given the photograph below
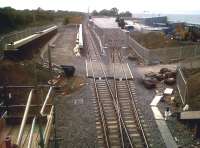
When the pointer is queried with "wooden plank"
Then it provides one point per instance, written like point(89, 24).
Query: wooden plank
point(190, 115)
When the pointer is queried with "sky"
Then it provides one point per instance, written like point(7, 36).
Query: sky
point(135, 6)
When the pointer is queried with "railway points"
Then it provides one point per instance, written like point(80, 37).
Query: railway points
point(114, 94)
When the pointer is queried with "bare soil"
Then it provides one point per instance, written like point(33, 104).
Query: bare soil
point(154, 40)
point(22, 73)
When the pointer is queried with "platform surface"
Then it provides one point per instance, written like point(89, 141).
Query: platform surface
point(156, 100)
point(16, 44)
point(166, 134)
point(107, 22)
point(190, 115)
point(157, 114)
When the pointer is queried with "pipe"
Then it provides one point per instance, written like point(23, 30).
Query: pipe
point(24, 118)
point(45, 102)
point(47, 130)
point(31, 134)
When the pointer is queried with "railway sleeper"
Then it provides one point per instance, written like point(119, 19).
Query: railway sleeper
point(125, 107)
point(108, 107)
point(132, 125)
point(111, 118)
point(124, 94)
point(124, 100)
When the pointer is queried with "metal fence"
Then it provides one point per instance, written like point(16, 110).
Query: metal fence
point(186, 85)
point(164, 55)
point(182, 85)
point(112, 37)
point(141, 51)
point(118, 37)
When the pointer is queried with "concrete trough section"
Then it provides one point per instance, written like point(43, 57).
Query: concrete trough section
point(109, 33)
point(26, 47)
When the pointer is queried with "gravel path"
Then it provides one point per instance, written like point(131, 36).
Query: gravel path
point(75, 120)
point(75, 117)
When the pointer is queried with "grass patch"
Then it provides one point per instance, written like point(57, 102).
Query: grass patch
point(23, 73)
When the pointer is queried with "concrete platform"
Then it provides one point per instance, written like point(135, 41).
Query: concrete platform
point(109, 70)
point(156, 100)
point(15, 45)
point(162, 125)
point(157, 114)
point(166, 134)
point(188, 115)
point(105, 22)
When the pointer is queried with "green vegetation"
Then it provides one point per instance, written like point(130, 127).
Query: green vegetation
point(112, 12)
point(121, 22)
point(75, 19)
point(26, 73)
point(186, 33)
point(66, 21)
point(12, 19)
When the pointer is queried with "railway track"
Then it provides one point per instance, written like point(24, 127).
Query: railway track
point(108, 125)
point(125, 94)
point(117, 121)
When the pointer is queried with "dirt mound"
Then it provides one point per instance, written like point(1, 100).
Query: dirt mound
point(154, 40)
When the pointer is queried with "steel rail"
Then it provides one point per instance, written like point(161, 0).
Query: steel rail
point(102, 114)
point(134, 107)
point(117, 102)
point(117, 98)
point(109, 88)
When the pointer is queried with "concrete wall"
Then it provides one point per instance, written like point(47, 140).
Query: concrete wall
point(112, 37)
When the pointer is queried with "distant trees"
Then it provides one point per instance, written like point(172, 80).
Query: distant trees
point(94, 12)
point(121, 22)
point(125, 14)
point(112, 12)
point(66, 21)
point(11, 19)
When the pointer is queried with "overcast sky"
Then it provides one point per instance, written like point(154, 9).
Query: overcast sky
point(135, 6)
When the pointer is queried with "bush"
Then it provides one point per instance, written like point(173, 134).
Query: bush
point(66, 21)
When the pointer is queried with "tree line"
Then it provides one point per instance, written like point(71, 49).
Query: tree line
point(112, 12)
point(12, 19)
